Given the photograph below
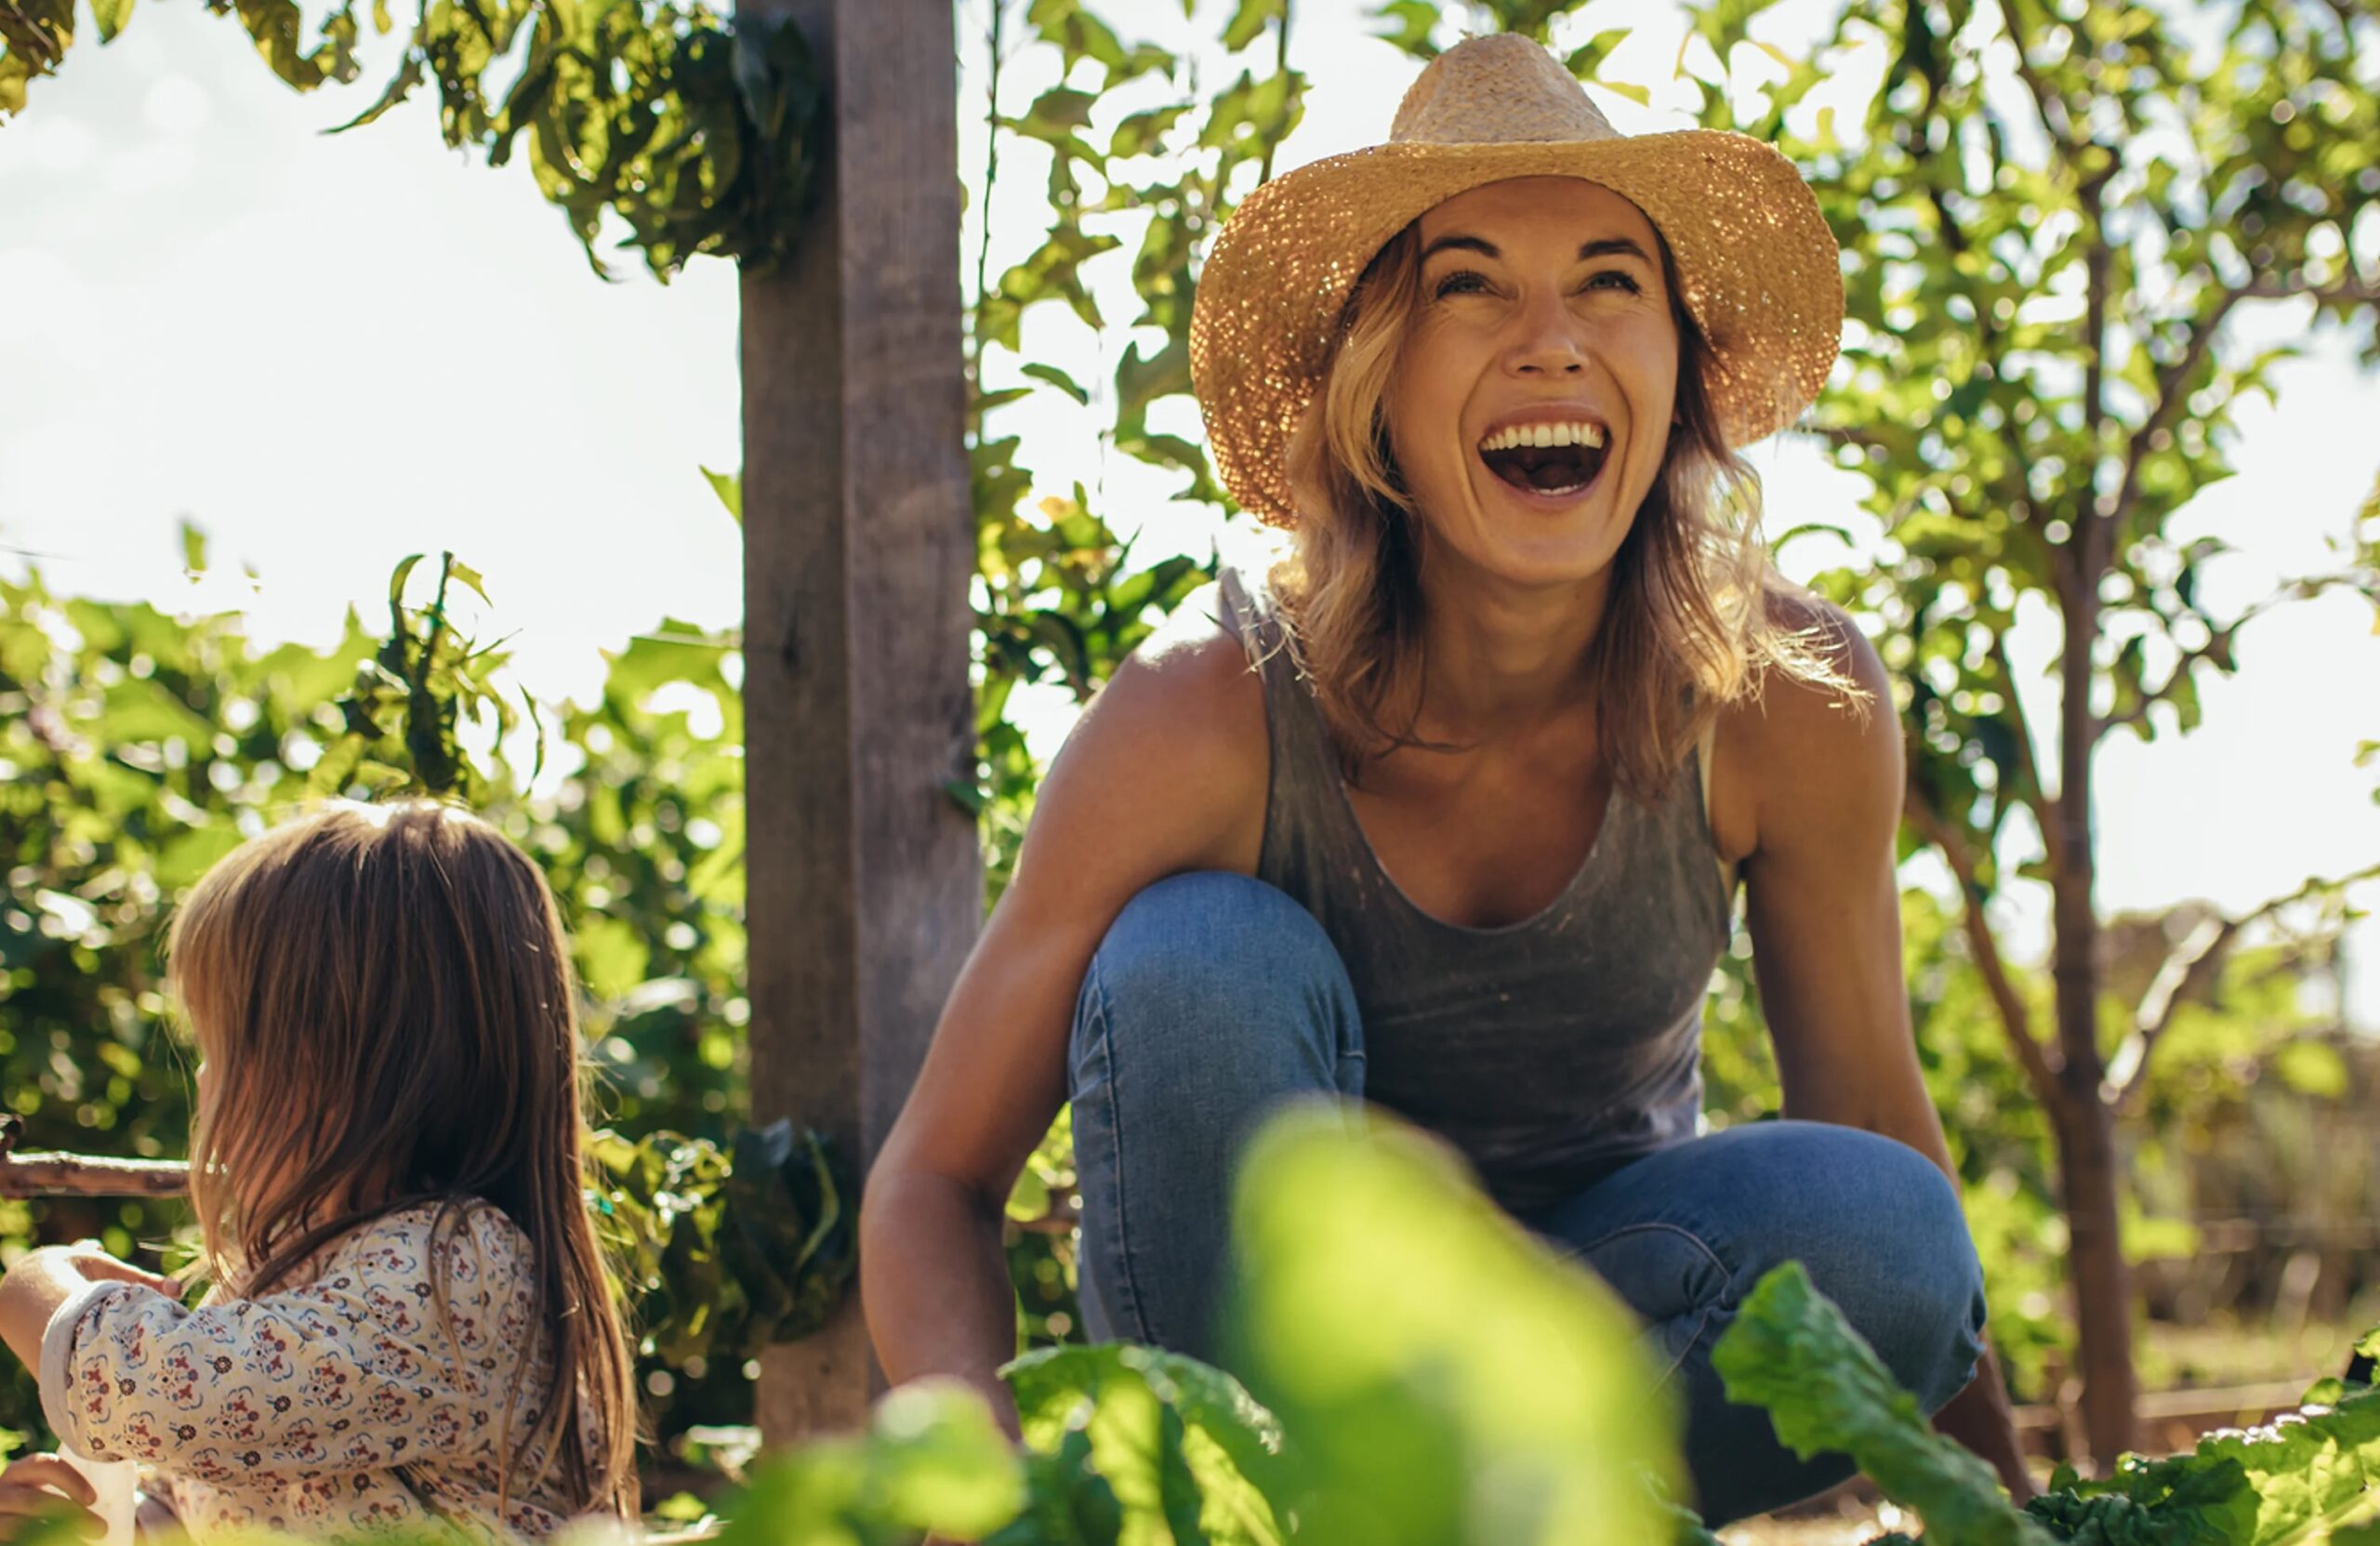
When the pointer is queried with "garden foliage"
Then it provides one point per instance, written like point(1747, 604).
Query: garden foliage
point(1430, 1374)
point(2055, 216)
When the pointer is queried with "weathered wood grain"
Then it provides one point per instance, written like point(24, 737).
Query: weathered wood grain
point(865, 883)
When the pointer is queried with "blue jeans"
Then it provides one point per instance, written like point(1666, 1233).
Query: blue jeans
point(1214, 997)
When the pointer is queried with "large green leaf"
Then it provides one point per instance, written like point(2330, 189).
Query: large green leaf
point(1177, 1440)
point(1441, 1377)
point(931, 1461)
point(1790, 1350)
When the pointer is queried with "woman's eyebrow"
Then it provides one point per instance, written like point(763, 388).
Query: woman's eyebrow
point(1484, 247)
point(1610, 247)
point(1614, 246)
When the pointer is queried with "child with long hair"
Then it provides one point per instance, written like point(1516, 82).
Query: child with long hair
point(412, 1322)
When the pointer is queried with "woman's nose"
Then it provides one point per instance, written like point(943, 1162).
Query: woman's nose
point(1546, 341)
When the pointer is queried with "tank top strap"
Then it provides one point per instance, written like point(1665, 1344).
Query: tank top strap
point(1309, 828)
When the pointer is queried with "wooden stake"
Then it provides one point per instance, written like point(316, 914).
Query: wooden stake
point(865, 881)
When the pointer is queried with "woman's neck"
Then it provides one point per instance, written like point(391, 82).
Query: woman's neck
point(1504, 660)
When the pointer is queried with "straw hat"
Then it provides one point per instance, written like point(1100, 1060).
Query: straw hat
point(1755, 261)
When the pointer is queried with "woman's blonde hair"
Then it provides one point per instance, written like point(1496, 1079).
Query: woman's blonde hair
point(1679, 637)
point(384, 1000)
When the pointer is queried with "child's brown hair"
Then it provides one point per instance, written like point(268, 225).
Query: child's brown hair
point(384, 1000)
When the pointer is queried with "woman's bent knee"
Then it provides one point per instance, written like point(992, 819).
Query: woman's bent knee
point(1219, 968)
point(1910, 1281)
point(1209, 931)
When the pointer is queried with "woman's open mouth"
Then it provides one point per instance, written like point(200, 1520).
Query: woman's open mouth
point(1553, 461)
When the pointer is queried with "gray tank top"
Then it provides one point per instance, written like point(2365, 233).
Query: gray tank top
point(1548, 1051)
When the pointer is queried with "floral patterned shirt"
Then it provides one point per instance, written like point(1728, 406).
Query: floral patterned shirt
point(335, 1407)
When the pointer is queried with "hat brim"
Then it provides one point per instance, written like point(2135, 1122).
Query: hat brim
point(1758, 270)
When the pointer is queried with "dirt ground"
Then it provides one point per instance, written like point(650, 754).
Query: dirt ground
point(1851, 1515)
point(1854, 1527)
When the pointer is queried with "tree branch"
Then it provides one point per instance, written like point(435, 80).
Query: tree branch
point(2188, 972)
point(2172, 384)
point(2014, 1017)
point(2037, 798)
point(2094, 524)
point(2185, 974)
point(2218, 649)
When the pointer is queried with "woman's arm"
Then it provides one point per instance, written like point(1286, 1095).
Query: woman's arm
point(1823, 906)
point(1164, 773)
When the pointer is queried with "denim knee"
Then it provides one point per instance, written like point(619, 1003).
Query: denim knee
point(1925, 1316)
point(1213, 999)
point(1227, 969)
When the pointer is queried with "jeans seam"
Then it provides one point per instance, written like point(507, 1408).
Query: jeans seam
point(1697, 1241)
point(1702, 1323)
point(1120, 1254)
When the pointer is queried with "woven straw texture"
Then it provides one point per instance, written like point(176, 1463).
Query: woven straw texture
point(1757, 266)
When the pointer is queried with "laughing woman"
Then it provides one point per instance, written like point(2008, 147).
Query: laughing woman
point(1450, 809)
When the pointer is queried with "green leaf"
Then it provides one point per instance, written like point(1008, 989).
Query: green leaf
point(111, 15)
point(463, 574)
point(1143, 133)
point(194, 543)
point(729, 486)
point(191, 853)
point(2176, 1502)
point(1585, 60)
point(1059, 379)
point(1248, 22)
point(679, 651)
point(1179, 1441)
point(1068, 1503)
point(930, 1462)
point(1792, 1352)
point(1488, 1392)
point(1410, 23)
point(402, 572)
point(612, 955)
point(400, 87)
point(142, 708)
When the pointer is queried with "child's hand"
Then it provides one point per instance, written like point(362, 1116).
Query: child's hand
point(43, 1280)
point(42, 1485)
point(89, 1259)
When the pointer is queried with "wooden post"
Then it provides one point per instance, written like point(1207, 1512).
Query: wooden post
point(866, 885)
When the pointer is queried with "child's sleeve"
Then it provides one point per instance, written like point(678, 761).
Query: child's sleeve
point(353, 1371)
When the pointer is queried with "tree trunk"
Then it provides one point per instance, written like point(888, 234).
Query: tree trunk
point(2102, 1282)
point(2101, 1278)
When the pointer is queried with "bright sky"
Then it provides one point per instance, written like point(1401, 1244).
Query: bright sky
point(331, 352)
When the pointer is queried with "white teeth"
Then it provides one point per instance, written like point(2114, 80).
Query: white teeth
point(1578, 432)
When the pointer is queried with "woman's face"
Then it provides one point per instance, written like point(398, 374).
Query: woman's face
point(1543, 318)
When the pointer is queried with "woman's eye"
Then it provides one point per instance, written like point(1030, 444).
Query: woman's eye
point(1621, 282)
point(1460, 282)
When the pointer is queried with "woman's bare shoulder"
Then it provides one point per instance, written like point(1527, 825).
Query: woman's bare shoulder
point(1173, 751)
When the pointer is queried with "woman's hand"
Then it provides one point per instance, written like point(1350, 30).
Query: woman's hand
point(45, 1486)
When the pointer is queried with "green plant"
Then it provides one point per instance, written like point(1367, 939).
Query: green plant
point(726, 1251)
point(699, 135)
point(2311, 1475)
